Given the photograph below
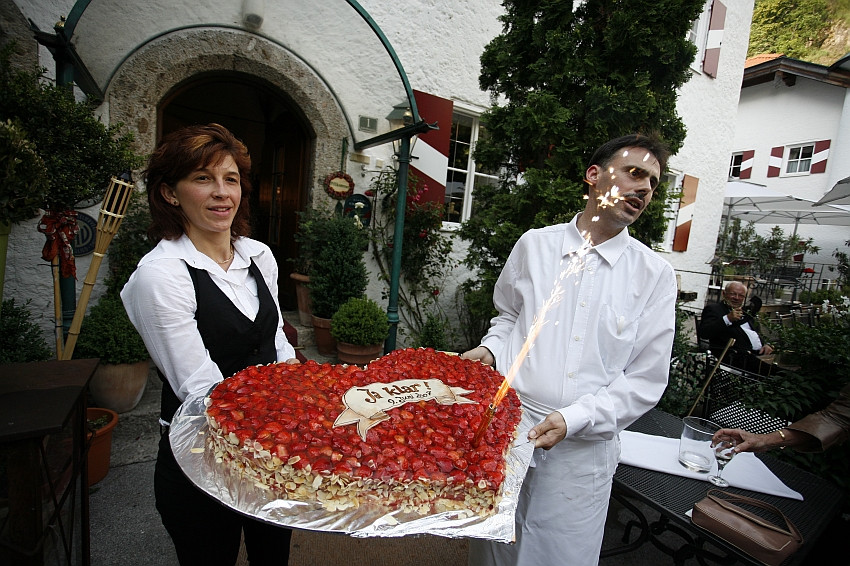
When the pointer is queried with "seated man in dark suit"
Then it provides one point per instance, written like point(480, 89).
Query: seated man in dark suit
point(728, 319)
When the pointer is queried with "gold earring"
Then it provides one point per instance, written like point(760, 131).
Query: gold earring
point(175, 202)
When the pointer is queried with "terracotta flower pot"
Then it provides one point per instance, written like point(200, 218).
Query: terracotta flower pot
point(302, 295)
point(119, 387)
point(357, 354)
point(325, 343)
point(100, 443)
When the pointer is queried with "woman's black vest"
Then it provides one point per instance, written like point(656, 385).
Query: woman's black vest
point(233, 340)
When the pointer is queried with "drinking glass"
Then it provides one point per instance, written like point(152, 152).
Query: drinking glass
point(695, 452)
point(723, 453)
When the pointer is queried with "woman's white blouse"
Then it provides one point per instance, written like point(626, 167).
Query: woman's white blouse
point(160, 301)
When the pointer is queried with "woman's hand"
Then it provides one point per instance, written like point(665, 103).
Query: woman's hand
point(744, 441)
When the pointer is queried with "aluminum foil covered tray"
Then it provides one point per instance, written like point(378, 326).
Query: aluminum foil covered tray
point(188, 435)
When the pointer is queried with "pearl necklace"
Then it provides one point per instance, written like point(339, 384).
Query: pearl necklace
point(222, 262)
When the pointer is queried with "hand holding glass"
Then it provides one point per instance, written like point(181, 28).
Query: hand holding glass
point(723, 453)
point(695, 452)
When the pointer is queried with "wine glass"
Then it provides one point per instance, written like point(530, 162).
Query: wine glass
point(724, 450)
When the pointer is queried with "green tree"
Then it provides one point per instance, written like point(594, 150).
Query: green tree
point(23, 177)
point(571, 80)
point(79, 152)
point(795, 28)
point(843, 266)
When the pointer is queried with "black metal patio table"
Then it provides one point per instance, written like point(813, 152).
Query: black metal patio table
point(673, 496)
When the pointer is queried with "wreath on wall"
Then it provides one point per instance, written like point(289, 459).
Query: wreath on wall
point(339, 185)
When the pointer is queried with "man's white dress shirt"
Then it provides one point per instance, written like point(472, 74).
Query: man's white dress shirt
point(601, 358)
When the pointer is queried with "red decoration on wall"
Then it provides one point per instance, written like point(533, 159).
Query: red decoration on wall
point(339, 185)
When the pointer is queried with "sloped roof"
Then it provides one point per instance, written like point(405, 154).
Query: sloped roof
point(760, 58)
point(766, 68)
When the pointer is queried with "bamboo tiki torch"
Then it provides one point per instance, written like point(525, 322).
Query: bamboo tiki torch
point(57, 307)
point(111, 214)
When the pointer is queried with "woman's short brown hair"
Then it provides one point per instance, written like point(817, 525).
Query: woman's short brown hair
point(175, 157)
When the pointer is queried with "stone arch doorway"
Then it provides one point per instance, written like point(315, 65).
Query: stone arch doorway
point(160, 72)
point(278, 140)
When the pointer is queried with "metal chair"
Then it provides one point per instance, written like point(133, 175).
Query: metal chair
point(702, 343)
point(725, 400)
point(804, 315)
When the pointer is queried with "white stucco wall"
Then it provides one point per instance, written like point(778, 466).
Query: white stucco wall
point(773, 114)
point(439, 44)
point(707, 107)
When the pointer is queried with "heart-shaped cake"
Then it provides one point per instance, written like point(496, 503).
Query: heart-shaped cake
point(398, 432)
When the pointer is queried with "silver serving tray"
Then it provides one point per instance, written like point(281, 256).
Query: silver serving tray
point(188, 435)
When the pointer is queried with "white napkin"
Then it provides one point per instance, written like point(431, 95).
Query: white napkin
point(661, 454)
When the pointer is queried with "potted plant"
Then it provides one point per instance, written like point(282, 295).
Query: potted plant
point(100, 423)
point(308, 238)
point(107, 333)
point(337, 273)
point(20, 337)
point(360, 327)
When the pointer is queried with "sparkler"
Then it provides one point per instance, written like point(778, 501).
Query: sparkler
point(537, 324)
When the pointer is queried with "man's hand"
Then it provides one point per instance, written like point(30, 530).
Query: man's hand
point(735, 314)
point(550, 432)
point(766, 349)
point(293, 361)
point(482, 354)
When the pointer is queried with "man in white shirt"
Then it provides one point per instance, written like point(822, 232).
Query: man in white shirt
point(600, 307)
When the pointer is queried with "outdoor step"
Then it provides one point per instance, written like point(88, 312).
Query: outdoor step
point(305, 333)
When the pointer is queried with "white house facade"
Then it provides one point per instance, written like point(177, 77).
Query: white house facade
point(306, 83)
point(793, 136)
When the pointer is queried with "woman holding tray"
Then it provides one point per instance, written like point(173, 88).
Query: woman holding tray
point(205, 302)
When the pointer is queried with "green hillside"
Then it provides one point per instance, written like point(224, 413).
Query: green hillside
point(811, 30)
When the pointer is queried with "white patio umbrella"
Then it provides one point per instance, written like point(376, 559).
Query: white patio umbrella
point(795, 211)
point(749, 196)
point(744, 193)
point(839, 194)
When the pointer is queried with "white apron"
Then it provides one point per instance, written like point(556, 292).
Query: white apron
point(562, 509)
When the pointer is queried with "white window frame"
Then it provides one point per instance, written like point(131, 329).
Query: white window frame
point(471, 173)
point(787, 160)
point(698, 35)
point(674, 180)
point(733, 165)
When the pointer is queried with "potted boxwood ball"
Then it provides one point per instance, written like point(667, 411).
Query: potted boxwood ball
point(107, 333)
point(360, 327)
